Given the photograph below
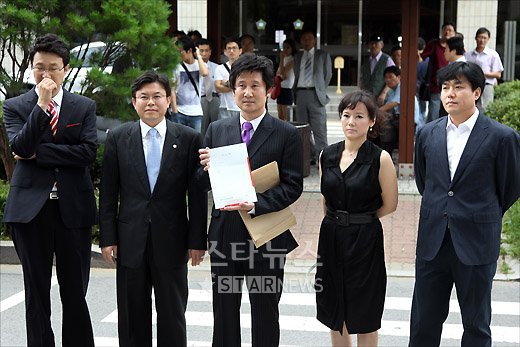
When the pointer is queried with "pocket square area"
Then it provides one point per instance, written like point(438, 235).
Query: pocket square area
point(72, 125)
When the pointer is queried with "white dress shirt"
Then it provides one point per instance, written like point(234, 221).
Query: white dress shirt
point(161, 129)
point(255, 123)
point(457, 138)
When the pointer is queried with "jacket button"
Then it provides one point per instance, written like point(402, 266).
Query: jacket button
point(445, 214)
point(450, 193)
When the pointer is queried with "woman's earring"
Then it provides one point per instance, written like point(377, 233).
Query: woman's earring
point(369, 128)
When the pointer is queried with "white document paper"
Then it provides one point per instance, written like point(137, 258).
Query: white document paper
point(230, 175)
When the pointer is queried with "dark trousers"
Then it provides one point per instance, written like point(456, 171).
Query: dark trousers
point(265, 284)
point(430, 306)
point(36, 243)
point(134, 303)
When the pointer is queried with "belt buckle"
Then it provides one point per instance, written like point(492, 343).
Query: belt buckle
point(343, 218)
point(53, 195)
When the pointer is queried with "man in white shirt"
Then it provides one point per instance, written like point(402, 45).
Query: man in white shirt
point(186, 100)
point(210, 99)
point(228, 106)
point(466, 169)
point(489, 60)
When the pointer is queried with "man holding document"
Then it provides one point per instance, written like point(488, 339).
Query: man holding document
point(232, 252)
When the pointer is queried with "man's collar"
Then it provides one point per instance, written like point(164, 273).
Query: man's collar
point(378, 56)
point(470, 122)
point(161, 128)
point(255, 122)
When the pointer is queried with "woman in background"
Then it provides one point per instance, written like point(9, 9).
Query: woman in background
point(359, 186)
point(286, 73)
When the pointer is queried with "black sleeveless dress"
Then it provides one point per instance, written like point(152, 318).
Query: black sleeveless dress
point(351, 274)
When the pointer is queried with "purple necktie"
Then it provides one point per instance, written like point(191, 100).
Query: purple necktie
point(246, 132)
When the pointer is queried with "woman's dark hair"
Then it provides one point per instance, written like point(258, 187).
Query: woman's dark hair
point(250, 62)
point(50, 43)
point(291, 43)
point(350, 101)
point(151, 77)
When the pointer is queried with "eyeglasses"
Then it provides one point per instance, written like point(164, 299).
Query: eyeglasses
point(51, 70)
point(232, 48)
point(146, 98)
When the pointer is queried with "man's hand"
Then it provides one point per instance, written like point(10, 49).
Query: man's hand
point(243, 206)
point(17, 157)
point(46, 88)
point(204, 158)
point(196, 256)
point(110, 254)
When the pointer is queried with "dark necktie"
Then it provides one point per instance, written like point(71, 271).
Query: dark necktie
point(246, 132)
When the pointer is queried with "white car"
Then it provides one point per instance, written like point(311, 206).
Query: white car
point(79, 53)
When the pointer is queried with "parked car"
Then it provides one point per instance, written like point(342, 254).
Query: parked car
point(85, 52)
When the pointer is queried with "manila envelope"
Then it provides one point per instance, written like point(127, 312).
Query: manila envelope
point(266, 227)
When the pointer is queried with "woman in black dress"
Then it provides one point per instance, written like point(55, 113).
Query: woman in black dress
point(359, 186)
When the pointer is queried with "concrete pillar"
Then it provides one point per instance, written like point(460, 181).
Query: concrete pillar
point(472, 15)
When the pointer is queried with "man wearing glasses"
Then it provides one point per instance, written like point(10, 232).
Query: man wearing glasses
point(51, 205)
point(146, 228)
point(228, 106)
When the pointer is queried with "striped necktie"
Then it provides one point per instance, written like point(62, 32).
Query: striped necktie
point(54, 120)
point(307, 70)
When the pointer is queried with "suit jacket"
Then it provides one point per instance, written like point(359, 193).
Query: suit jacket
point(63, 159)
point(321, 73)
point(486, 183)
point(273, 140)
point(128, 211)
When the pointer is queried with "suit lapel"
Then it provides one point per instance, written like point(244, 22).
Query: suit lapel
point(261, 134)
point(233, 131)
point(441, 149)
point(66, 109)
point(135, 144)
point(478, 134)
point(170, 149)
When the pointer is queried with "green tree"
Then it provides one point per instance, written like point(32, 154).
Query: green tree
point(133, 30)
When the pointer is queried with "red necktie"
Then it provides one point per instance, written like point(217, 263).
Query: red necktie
point(54, 120)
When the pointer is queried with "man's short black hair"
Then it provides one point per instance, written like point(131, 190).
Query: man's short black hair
point(195, 33)
point(445, 24)
point(232, 39)
point(50, 43)
point(483, 30)
point(308, 31)
point(456, 43)
point(247, 36)
point(392, 69)
point(250, 62)
point(186, 43)
point(151, 77)
point(396, 48)
point(471, 71)
point(202, 42)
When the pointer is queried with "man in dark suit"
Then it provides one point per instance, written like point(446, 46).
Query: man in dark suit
point(51, 207)
point(232, 252)
point(312, 72)
point(466, 169)
point(148, 170)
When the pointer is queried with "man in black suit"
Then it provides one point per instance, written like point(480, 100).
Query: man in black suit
point(232, 252)
point(148, 169)
point(466, 169)
point(51, 207)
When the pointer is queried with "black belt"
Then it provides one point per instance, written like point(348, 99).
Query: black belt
point(305, 88)
point(344, 218)
point(489, 84)
point(215, 95)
